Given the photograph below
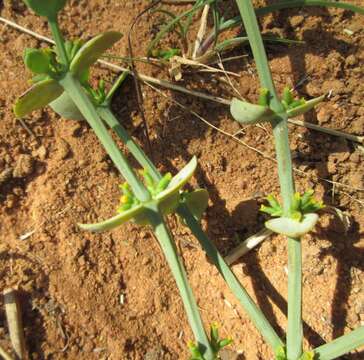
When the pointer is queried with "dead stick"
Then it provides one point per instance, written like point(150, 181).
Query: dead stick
point(4, 354)
point(13, 316)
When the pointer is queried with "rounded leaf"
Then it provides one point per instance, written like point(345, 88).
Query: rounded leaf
point(65, 107)
point(247, 113)
point(197, 202)
point(93, 50)
point(47, 8)
point(36, 61)
point(291, 227)
point(37, 97)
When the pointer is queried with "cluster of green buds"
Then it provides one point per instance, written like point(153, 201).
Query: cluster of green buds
point(128, 200)
point(166, 193)
point(280, 354)
point(217, 344)
point(302, 217)
point(248, 113)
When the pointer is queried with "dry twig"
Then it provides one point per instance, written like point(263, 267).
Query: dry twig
point(15, 324)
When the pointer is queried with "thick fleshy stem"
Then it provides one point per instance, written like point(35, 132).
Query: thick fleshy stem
point(280, 131)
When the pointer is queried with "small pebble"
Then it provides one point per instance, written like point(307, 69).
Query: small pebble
point(24, 166)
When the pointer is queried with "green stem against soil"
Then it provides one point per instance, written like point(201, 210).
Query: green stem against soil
point(280, 131)
point(110, 119)
point(341, 345)
point(256, 316)
point(176, 265)
point(57, 36)
point(253, 311)
point(115, 86)
point(82, 101)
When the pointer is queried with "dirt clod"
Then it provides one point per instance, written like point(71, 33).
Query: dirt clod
point(24, 166)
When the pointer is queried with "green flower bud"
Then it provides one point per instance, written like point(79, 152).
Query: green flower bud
point(164, 182)
point(37, 61)
point(47, 8)
point(287, 96)
point(264, 97)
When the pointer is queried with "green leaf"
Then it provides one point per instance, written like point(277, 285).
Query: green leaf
point(308, 355)
point(280, 353)
point(37, 61)
point(37, 97)
point(273, 202)
point(66, 108)
point(114, 221)
point(167, 201)
point(47, 8)
point(179, 180)
point(197, 202)
point(291, 227)
point(166, 54)
point(301, 109)
point(225, 342)
point(92, 50)
point(247, 113)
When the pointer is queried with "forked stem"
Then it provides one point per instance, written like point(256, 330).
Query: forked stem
point(237, 289)
point(280, 131)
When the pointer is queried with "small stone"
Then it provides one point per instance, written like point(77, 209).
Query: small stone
point(323, 116)
point(10, 201)
point(41, 153)
point(355, 157)
point(296, 20)
point(63, 149)
point(350, 60)
point(335, 86)
point(24, 166)
point(6, 175)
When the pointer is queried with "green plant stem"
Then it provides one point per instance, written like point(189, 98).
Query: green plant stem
point(115, 86)
point(82, 101)
point(255, 314)
point(57, 36)
point(341, 345)
point(110, 119)
point(253, 311)
point(280, 131)
point(176, 265)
